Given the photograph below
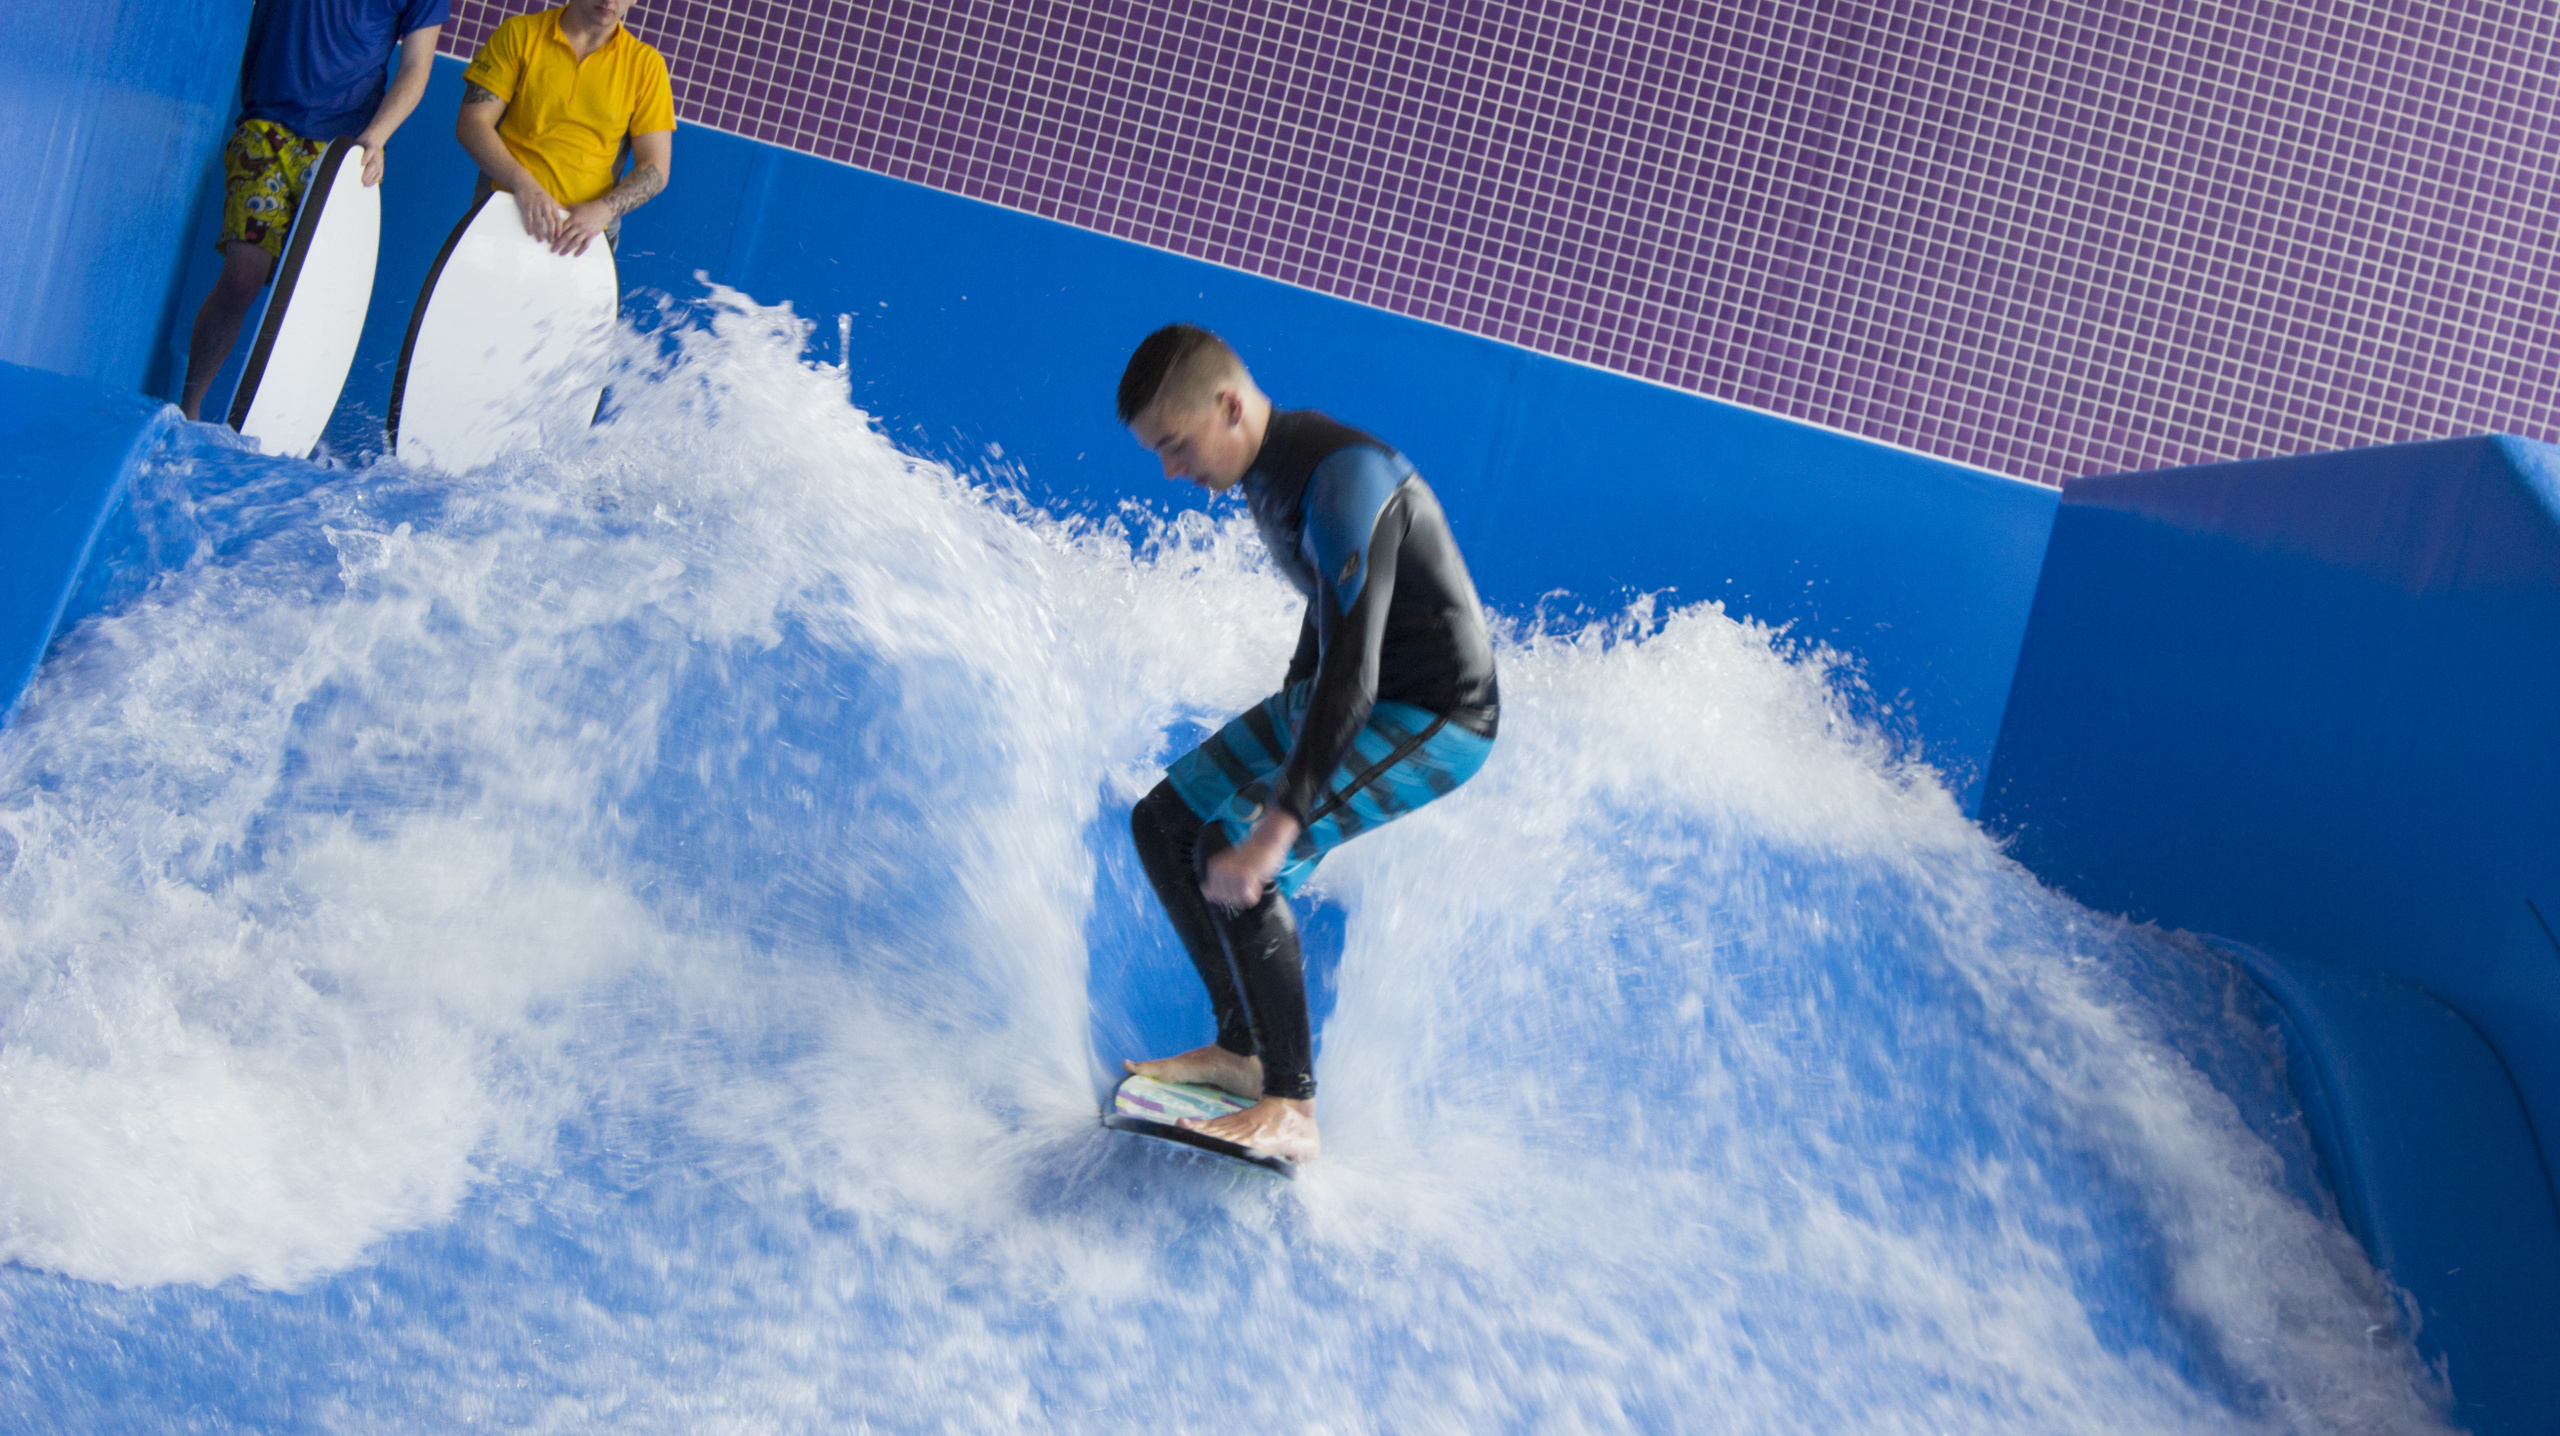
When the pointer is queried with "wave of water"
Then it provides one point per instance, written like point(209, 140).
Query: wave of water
point(634, 939)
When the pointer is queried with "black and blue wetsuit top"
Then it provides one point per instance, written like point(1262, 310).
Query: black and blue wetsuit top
point(1391, 613)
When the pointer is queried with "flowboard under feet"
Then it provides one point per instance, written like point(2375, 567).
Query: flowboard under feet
point(1149, 1108)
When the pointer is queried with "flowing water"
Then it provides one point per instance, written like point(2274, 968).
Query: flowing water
point(634, 939)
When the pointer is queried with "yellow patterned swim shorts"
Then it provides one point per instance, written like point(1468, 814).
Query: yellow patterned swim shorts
point(264, 170)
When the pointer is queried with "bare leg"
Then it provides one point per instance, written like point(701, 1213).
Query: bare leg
point(1277, 1125)
point(1210, 1066)
point(244, 272)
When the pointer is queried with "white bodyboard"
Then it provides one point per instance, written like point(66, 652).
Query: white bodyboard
point(290, 383)
point(506, 346)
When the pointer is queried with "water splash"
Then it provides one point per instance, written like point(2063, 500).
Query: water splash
point(633, 938)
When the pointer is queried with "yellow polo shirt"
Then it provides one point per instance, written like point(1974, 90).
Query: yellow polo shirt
point(566, 117)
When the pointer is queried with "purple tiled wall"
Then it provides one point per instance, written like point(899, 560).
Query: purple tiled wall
point(2049, 239)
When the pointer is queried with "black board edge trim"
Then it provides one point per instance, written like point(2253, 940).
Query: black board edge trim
point(297, 248)
point(418, 317)
point(1235, 1151)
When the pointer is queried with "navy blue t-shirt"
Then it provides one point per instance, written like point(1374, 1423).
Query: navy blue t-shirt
point(317, 67)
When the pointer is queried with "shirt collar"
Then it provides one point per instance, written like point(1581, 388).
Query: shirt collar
point(551, 30)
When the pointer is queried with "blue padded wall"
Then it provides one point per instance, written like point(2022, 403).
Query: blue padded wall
point(67, 448)
point(976, 330)
point(112, 114)
point(2307, 703)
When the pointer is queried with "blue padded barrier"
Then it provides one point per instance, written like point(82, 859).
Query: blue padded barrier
point(112, 115)
point(2307, 703)
point(67, 448)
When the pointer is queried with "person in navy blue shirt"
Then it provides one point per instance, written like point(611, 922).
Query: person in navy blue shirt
point(313, 71)
point(1389, 703)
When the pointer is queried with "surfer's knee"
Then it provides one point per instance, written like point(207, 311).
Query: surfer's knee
point(245, 268)
point(1162, 823)
point(1148, 818)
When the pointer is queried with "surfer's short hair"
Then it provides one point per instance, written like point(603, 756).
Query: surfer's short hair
point(1178, 366)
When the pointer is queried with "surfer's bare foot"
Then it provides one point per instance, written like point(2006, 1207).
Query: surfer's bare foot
point(1281, 1126)
point(1210, 1066)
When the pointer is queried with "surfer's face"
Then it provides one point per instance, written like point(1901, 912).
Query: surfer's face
point(605, 13)
point(1209, 445)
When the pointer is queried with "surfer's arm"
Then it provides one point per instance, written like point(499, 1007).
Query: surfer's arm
point(1302, 664)
point(417, 61)
point(1355, 528)
point(1346, 682)
point(651, 157)
point(477, 129)
point(1236, 875)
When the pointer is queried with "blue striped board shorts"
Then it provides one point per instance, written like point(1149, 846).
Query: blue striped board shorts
point(1401, 759)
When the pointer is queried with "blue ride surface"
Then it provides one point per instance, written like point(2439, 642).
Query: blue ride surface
point(459, 931)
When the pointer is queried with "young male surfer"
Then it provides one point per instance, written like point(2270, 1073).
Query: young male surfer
point(311, 73)
point(1389, 703)
point(550, 105)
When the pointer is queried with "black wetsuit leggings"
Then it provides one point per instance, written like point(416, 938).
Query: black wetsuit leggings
point(1248, 958)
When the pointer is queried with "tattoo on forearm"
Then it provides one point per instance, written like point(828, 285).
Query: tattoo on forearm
point(477, 94)
point(636, 189)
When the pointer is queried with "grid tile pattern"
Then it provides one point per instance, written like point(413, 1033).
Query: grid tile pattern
point(2050, 239)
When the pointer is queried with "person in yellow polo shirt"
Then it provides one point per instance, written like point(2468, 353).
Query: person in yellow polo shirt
point(548, 106)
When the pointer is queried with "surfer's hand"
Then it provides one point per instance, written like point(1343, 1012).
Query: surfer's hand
point(1236, 876)
point(542, 213)
point(372, 158)
point(579, 225)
